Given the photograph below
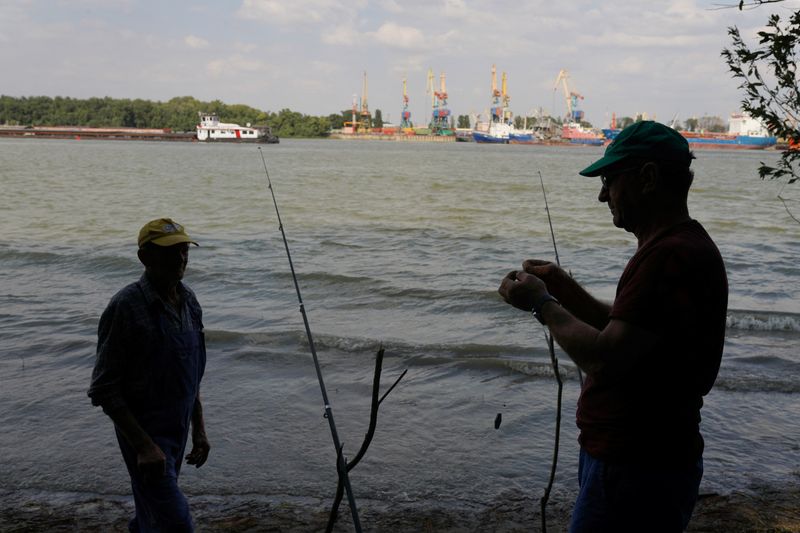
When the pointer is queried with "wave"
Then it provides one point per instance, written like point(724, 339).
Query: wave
point(740, 375)
point(763, 321)
point(524, 361)
point(89, 260)
point(777, 384)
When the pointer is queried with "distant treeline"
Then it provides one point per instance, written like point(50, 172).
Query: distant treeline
point(178, 114)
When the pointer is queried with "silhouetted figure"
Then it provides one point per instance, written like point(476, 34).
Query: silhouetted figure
point(151, 357)
point(652, 354)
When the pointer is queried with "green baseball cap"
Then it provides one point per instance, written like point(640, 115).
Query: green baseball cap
point(163, 232)
point(643, 140)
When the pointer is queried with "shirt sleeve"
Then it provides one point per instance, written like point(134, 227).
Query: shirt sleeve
point(106, 386)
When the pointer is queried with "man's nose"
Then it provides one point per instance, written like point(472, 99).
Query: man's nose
point(603, 196)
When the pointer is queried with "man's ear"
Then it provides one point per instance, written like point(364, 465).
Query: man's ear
point(144, 256)
point(649, 176)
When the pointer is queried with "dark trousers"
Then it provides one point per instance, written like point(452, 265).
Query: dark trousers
point(634, 497)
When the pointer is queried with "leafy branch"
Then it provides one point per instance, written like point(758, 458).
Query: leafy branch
point(768, 75)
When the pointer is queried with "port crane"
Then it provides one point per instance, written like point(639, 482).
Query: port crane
point(365, 120)
point(571, 97)
point(405, 116)
point(500, 99)
point(440, 116)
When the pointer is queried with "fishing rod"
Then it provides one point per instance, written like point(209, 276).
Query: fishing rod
point(554, 363)
point(341, 463)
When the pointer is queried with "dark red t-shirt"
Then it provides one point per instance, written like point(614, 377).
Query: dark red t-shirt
point(676, 287)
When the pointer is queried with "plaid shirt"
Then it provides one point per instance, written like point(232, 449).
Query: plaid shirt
point(129, 331)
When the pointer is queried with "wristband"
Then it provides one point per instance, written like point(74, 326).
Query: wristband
point(538, 304)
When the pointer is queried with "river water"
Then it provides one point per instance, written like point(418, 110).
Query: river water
point(399, 244)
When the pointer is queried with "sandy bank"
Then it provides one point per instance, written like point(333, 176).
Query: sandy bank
point(762, 509)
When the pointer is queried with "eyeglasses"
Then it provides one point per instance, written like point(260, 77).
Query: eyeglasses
point(606, 179)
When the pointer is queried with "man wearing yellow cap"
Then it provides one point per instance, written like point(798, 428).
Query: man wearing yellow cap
point(652, 354)
point(151, 357)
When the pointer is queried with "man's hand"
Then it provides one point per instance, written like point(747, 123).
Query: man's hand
point(521, 289)
point(151, 462)
point(200, 449)
point(555, 277)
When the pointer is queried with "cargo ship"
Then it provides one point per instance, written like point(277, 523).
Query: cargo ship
point(577, 134)
point(492, 133)
point(523, 137)
point(744, 133)
point(86, 133)
point(211, 129)
point(726, 141)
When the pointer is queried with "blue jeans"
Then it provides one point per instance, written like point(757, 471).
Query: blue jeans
point(628, 497)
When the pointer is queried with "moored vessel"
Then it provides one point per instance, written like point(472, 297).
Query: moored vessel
point(211, 129)
point(575, 133)
point(744, 133)
point(493, 132)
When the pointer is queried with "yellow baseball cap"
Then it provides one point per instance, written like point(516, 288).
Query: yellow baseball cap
point(163, 232)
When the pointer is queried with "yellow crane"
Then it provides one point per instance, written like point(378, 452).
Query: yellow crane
point(366, 119)
point(570, 97)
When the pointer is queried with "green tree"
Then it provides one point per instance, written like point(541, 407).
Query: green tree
point(767, 71)
point(624, 122)
point(336, 120)
point(463, 121)
point(377, 121)
point(691, 124)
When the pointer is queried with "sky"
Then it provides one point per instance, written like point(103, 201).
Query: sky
point(625, 57)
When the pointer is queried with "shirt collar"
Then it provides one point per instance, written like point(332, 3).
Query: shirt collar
point(151, 296)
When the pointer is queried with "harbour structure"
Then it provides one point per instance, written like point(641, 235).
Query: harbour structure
point(572, 130)
point(440, 114)
point(405, 115)
point(498, 129)
point(360, 117)
point(365, 119)
point(351, 126)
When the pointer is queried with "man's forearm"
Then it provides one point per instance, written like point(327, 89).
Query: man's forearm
point(131, 430)
point(198, 423)
point(577, 338)
point(584, 306)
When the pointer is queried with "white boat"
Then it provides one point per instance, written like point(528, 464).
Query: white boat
point(211, 129)
point(493, 132)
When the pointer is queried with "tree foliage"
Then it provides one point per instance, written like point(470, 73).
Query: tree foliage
point(178, 114)
point(624, 122)
point(768, 74)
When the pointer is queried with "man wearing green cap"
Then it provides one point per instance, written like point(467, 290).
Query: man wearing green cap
point(150, 359)
point(652, 354)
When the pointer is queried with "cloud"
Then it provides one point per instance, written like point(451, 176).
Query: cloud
point(341, 35)
point(392, 6)
point(637, 41)
point(234, 65)
point(325, 67)
point(392, 34)
point(195, 42)
point(410, 64)
point(283, 12)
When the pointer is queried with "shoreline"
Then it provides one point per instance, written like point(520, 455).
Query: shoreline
point(152, 134)
point(759, 509)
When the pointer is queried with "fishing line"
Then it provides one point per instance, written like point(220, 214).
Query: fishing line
point(341, 464)
point(554, 363)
